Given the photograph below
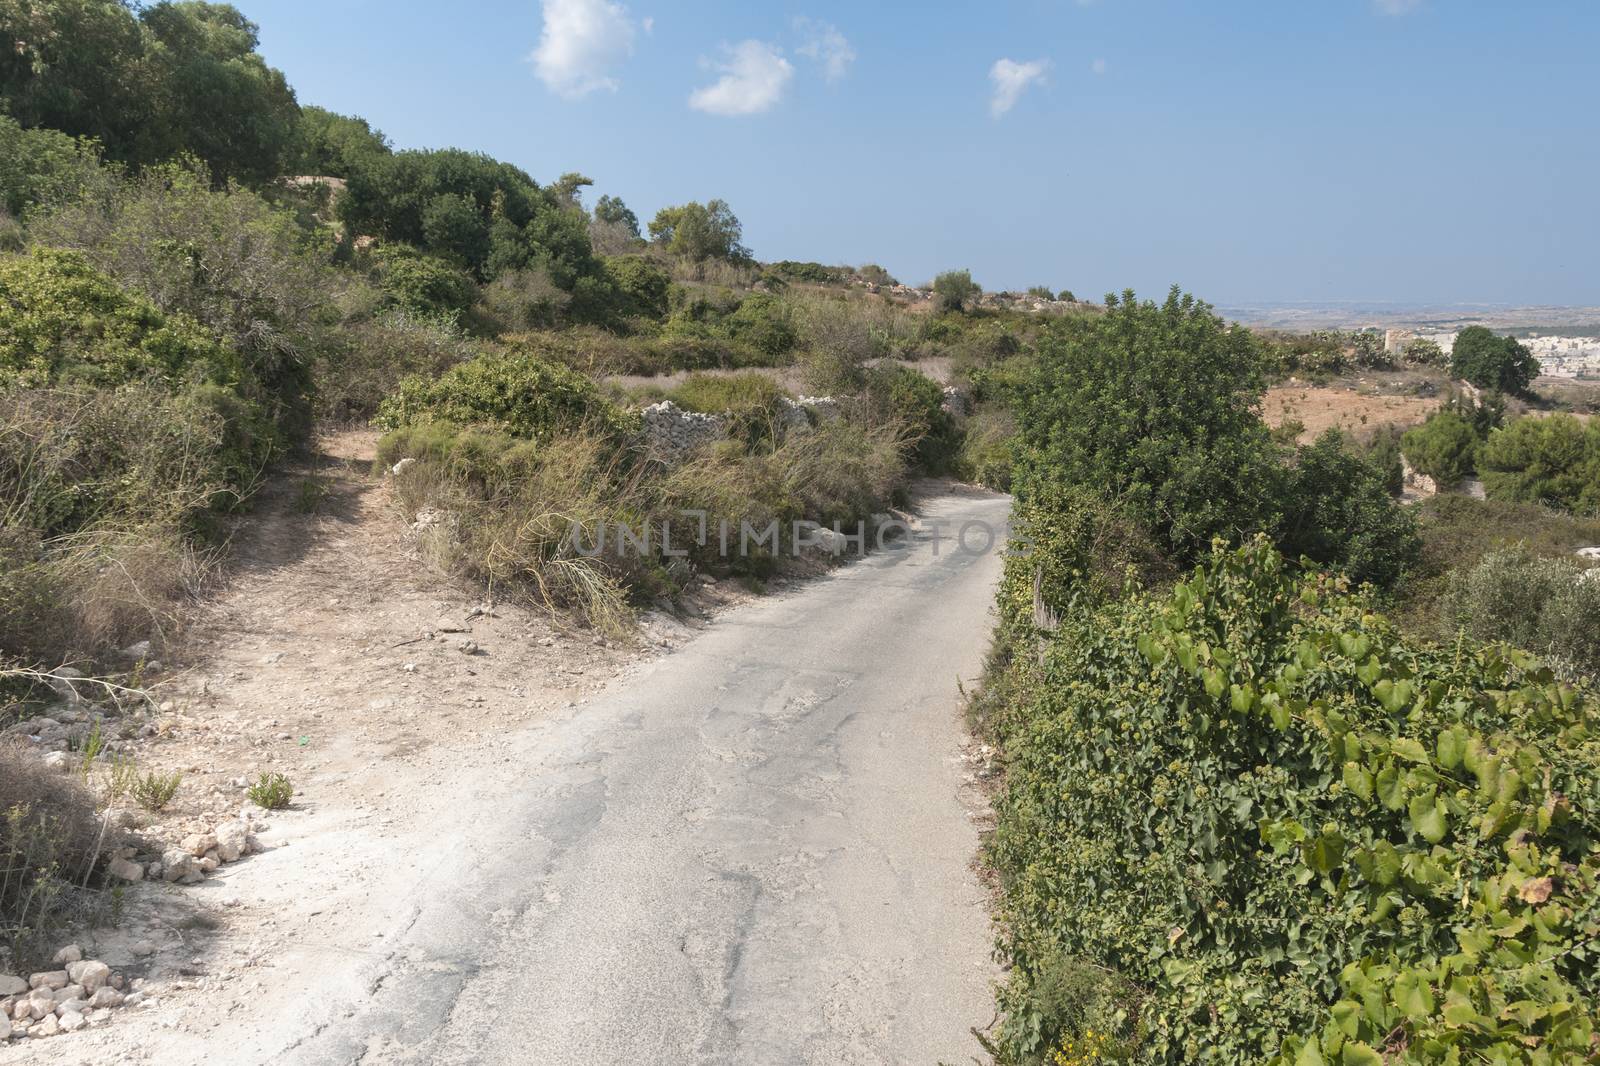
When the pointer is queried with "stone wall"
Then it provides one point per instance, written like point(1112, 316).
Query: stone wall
point(670, 432)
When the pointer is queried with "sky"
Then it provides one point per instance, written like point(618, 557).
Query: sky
point(1295, 151)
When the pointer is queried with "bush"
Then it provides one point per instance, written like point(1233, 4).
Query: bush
point(914, 403)
point(62, 322)
point(50, 847)
point(954, 290)
point(1344, 848)
point(271, 791)
point(519, 394)
point(764, 323)
point(1548, 606)
point(1155, 406)
point(1445, 448)
point(41, 168)
point(1554, 461)
point(1337, 509)
point(642, 283)
point(839, 344)
point(1492, 362)
point(754, 402)
point(423, 286)
point(371, 356)
point(985, 454)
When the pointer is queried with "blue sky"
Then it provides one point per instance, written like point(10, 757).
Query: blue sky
point(1429, 151)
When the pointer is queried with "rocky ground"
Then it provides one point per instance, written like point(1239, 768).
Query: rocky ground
point(330, 656)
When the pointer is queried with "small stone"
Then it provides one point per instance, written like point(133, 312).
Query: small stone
point(133, 999)
point(91, 975)
point(40, 1003)
point(209, 862)
point(125, 870)
point(197, 844)
point(233, 838)
point(65, 995)
point(70, 953)
point(75, 1005)
point(141, 948)
point(50, 980)
point(106, 997)
point(72, 1021)
point(48, 1027)
point(12, 986)
point(57, 760)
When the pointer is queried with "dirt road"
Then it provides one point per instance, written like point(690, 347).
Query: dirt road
point(757, 848)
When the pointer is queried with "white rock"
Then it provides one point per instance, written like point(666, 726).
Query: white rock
point(138, 652)
point(106, 997)
point(197, 844)
point(49, 980)
point(141, 948)
point(233, 839)
point(178, 865)
point(12, 986)
point(133, 999)
point(92, 975)
point(71, 1006)
point(125, 870)
point(48, 1027)
point(40, 1003)
point(72, 1021)
point(58, 760)
point(71, 992)
point(70, 953)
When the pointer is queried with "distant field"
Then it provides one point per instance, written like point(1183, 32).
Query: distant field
point(1323, 408)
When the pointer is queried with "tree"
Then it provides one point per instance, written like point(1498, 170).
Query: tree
point(175, 78)
point(326, 144)
point(1152, 406)
point(1337, 509)
point(1445, 447)
point(1554, 461)
point(1490, 361)
point(1042, 292)
point(700, 231)
point(41, 167)
point(568, 189)
point(611, 209)
point(955, 289)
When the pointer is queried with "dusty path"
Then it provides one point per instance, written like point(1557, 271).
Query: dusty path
point(755, 848)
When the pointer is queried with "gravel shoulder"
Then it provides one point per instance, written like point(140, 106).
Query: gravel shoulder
point(744, 841)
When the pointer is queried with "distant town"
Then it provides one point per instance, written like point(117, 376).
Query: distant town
point(1559, 356)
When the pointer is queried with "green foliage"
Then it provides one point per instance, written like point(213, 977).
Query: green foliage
point(1153, 405)
point(422, 285)
point(519, 394)
point(955, 290)
point(62, 322)
point(641, 283)
point(1445, 448)
point(224, 257)
point(765, 323)
point(1554, 461)
point(1424, 352)
point(1338, 509)
point(271, 791)
point(985, 454)
point(815, 273)
point(1301, 838)
point(327, 144)
point(914, 402)
point(1492, 362)
point(874, 274)
point(698, 231)
point(1550, 606)
point(611, 210)
point(41, 167)
point(154, 790)
point(148, 83)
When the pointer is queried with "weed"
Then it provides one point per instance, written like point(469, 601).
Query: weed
point(310, 495)
point(154, 791)
point(272, 791)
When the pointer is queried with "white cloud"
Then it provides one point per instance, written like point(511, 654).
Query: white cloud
point(1011, 79)
point(582, 42)
point(754, 75)
point(1098, 66)
point(1396, 7)
point(827, 46)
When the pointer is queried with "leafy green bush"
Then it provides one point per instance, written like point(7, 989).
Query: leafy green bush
point(520, 394)
point(1554, 461)
point(985, 454)
point(954, 290)
point(1490, 361)
point(1445, 448)
point(1550, 606)
point(642, 284)
point(41, 167)
point(1301, 839)
point(914, 403)
point(1338, 509)
point(369, 357)
point(271, 791)
point(422, 285)
point(62, 322)
point(1153, 405)
point(765, 323)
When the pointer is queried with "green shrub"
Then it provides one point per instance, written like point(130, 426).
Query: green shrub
point(1554, 461)
point(370, 357)
point(520, 394)
point(642, 283)
point(41, 167)
point(1155, 406)
point(1492, 362)
point(153, 791)
point(271, 791)
point(1301, 839)
point(954, 290)
point(763, 322)
point(62, 322)
point(1337, 509)
point(1549, 606)
point(914, 402)
point(985, 454)
point(422, 285)
point(1445, 448)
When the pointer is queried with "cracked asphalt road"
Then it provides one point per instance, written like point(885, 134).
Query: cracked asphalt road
point(756, 850)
